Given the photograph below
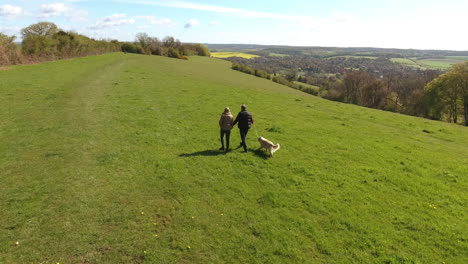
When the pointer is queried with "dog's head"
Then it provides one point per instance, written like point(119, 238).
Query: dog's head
point(260, 139)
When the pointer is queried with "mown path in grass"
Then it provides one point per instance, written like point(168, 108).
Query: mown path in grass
point(113, 159)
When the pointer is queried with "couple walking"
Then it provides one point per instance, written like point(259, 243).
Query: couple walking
point(243, 120)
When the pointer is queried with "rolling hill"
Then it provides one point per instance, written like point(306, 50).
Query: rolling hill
point(113, 159)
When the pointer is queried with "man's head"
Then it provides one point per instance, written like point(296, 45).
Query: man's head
point(243, 107)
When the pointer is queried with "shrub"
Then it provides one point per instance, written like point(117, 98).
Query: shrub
point(132, 48)
point(9, 51)
point(173, 53)
point(39, 46)
point(202, 50)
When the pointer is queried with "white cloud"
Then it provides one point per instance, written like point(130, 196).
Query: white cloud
point(213, 23)
point(9, 11)
point(60, 9)
point(50, 10)
point(213, 8)
point(192, 23)
point(154, 21)
point(112, 21)
point(10, 30)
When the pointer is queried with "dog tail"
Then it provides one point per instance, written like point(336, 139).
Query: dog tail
point(276, 147)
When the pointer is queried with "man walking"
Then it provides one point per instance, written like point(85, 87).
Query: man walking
point(243, 120)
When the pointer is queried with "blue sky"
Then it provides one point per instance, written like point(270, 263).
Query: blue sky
point(389, 24)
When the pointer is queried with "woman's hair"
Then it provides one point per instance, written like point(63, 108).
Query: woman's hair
point(227, 110)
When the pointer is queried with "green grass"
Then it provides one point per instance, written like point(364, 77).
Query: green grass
point(277, 54)
point(406, 62)
point(113, 159)
point(442, 63)
point(355, 57)
point(458, 58)
point(233, 54)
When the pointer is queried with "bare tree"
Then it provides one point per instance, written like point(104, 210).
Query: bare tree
point(46, 29)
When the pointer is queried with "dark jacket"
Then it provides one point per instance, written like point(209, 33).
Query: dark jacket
point(244, 119)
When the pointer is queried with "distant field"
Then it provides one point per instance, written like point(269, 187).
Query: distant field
point(277, 55)
point(406, 62)
point(355, 57)
point(458, 58)
point(443, 63)
point(233, 54)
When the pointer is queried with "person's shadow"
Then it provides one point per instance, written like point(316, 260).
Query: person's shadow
point(208, 152)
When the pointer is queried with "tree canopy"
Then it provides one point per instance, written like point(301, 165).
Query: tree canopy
point(448, 94)
point(46, 29)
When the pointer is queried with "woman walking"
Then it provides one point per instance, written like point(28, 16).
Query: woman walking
point(225, 123)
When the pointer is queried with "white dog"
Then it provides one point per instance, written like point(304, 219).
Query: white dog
point(268, 145)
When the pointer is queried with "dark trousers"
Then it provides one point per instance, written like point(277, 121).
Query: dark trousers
point(243, 135)
point(228, 135)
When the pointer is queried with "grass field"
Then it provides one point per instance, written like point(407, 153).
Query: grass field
point(355, 57)
point(442, 63)
point(113, 159)
point(406, 62)
point(277, 54)
point(233, 54)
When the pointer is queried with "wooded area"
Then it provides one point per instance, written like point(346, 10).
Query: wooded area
point(44, 41)
point(373, 81)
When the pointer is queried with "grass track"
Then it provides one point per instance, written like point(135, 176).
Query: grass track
point(112, 159)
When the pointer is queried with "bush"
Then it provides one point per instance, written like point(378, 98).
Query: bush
point(9, 51)
point(308, 90)
point(173, 53)
point(132, 48)
point(39, 46)
point(283, 81)
point(202, 50)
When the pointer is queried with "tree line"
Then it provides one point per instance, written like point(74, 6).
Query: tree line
point(45, 41)
point(169, 47)
point(429, 95)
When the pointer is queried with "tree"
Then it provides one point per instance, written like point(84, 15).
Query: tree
point(173, 53)
point(291, 75)
point(46, 29)
point(460, 74)
point(132, 48)
point(38, 45)
point(202, 50)
point(9, 51)
point(448, 93)
point(171, 42)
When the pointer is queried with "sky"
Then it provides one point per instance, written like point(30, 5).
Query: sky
point(415, 24)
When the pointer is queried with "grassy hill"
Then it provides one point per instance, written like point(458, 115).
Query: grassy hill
point(113, 159)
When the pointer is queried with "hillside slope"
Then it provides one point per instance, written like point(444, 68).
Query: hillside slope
point(113, 159)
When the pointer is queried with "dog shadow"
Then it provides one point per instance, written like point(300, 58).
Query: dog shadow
point(206, 153)
point(262, 154)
